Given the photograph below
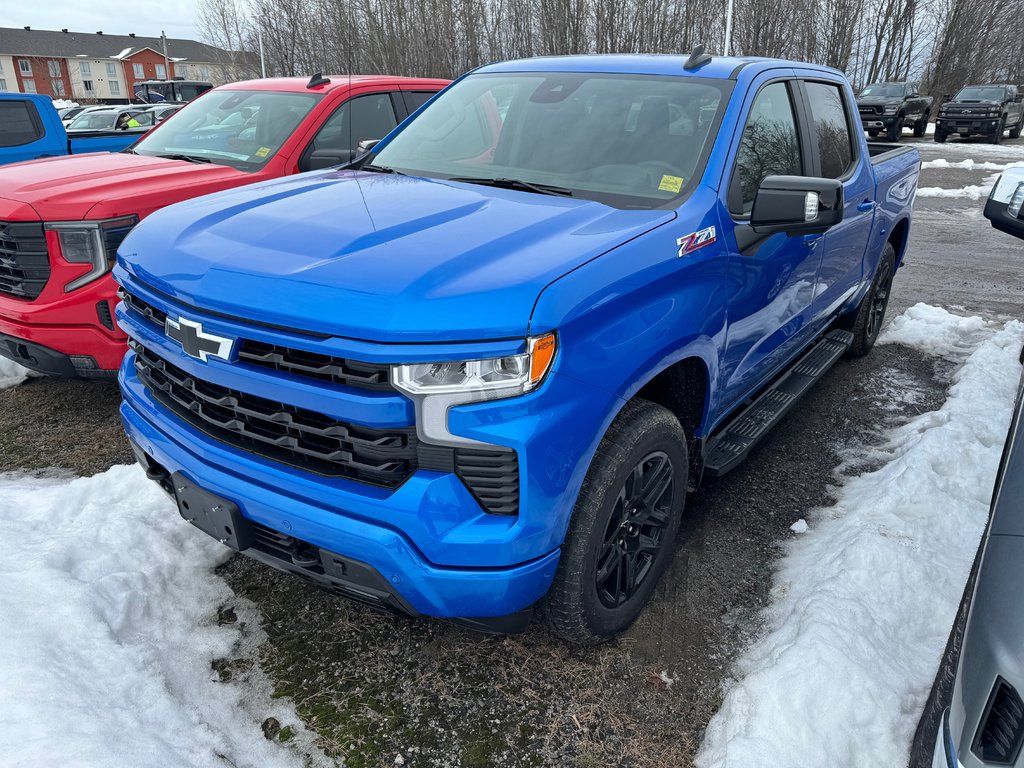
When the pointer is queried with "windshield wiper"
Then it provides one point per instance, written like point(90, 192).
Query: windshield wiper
point(527, 186)
point(189, 158)
point(381, 169)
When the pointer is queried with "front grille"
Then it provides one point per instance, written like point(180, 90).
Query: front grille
point(1001, 733)
point(870, 110)
point(492, 476)
point(298, 362)
point(24, 259)
point(295, 436)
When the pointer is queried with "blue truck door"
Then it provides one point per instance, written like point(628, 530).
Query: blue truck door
point(771, 279)
point(28, 132)
point(840, 153)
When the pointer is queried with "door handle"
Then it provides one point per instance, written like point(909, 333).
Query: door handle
point(867, 205)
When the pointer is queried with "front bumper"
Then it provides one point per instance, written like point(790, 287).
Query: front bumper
point(877, 122)
point(64, 334)
point(967, 126)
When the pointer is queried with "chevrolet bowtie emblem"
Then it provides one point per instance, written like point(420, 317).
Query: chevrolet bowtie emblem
point(195, 341)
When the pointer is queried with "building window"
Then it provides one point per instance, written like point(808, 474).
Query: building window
point(181, 70)
point(58, 88)
point(54, 67)
point(204, 73)
point(161, 72)
point(86, 68)
point(111, 70)
point(30, 85)
point(3, 84)
point(115, 88)
point(138, 71)
point(25, 66)
point(88, 86)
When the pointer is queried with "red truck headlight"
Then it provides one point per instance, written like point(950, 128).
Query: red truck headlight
point(91, 242)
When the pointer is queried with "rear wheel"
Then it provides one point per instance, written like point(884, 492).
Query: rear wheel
point(623, 526)
point(921, 126)
point(866, 322)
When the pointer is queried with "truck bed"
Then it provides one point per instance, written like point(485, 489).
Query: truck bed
point(881, 151)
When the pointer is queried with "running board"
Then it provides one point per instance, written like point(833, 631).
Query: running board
point(731, 446)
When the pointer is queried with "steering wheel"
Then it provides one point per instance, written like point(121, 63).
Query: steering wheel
point(670, 169)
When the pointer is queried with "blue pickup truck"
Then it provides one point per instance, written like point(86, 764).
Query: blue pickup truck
point(476, 373)
point(30, 128)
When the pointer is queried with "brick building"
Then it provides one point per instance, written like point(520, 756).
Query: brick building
point(97, 67)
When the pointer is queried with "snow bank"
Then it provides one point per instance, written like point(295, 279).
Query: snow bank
point(971, 191)
point(109, 627)
point(970, 164)
point(863, 601)
point(12, 374)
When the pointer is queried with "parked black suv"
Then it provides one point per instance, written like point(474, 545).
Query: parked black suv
point(982, 110)
point(889, 107)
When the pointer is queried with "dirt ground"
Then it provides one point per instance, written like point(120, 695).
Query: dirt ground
point(383, 691)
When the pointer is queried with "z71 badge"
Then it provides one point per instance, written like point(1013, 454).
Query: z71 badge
point(695, 240)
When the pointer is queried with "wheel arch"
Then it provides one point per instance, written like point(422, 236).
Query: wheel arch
point(899, 236)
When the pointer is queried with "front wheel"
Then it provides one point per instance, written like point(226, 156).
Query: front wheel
point(623, 526)
point(997, 136)
point(1015, 131)
point(896, 129)
point(866, 322)
point(921, 126)
point(940, 136)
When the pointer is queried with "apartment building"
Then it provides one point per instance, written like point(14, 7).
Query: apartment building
point(95, 67)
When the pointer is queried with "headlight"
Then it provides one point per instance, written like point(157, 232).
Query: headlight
point(91, 242)
point(890, 110)
point(1016, 202)
point(436, 387)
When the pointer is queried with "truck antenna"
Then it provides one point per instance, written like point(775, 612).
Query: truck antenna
point(317, 80)
point(697, 58)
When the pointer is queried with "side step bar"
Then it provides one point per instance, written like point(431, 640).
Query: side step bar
point(729, 447)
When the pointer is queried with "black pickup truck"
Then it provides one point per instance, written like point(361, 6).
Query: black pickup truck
point(889, 107)
point(982, 110)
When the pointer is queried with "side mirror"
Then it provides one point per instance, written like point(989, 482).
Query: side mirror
point(366, 145)
point(1005, 204)
point(797, 205)
point(325, 158)
point(1018, 98)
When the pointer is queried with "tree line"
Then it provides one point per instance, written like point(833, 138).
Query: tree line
point(943, 44)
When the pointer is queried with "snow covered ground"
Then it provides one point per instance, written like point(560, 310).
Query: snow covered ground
point(110, 624)
point(864, 598)
point(12, 374)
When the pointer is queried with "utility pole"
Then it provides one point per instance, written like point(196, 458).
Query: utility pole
point(263, 62)
point(167, 61)
point(728, 29)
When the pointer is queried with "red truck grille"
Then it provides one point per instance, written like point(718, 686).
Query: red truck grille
point(295, 436)
point(24, 259)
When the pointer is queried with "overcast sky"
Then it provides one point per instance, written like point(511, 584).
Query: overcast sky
point(115, 17)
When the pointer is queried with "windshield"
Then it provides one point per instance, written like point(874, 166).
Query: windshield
point(628, 141)
point(93, 121)
point(880, 91)
point(243, 129)
point(981, 93)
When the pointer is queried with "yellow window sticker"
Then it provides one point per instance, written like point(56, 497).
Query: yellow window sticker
point(670, 184)
point(264, 151)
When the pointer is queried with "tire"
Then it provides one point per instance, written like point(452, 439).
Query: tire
point(1015, 131)
point(866, 322)
point(873, 134)
point(921, 126)
point(940, 137)
point(895, 130)
point(580, 607)
point(997, 136)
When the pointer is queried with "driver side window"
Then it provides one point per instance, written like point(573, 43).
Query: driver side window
point(770, 146)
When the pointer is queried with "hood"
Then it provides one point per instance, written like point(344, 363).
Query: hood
point(68, 188)
point(973, 103)
point(872, 102)
point(373, 256)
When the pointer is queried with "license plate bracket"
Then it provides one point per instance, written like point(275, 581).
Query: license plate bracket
point(212, 514)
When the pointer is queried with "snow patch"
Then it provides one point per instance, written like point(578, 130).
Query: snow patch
point(110, 626)
point(970, 164)
point(863, 602)
point(12, 374)
point(800, 526)
point(970, 192)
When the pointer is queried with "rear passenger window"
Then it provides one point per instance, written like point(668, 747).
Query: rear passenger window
point(769, 146)
point(19, 123)
point(831, 129)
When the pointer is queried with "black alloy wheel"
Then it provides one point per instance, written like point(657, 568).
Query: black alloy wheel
point(636, 530)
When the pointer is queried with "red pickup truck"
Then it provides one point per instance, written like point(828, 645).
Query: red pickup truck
point(62, 219)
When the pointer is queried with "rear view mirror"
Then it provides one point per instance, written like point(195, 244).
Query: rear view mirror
point(1005, 204)
point(325, 158)
point(797, 205)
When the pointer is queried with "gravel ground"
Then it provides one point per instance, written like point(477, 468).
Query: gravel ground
point(384, 691)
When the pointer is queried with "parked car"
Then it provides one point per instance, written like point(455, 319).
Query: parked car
point(974, 716)
point(161, 112)
point(61, 220)
point(30, 128)
point(890, 107)
point(982, 110)
point(480, 369)
point(68, 115)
